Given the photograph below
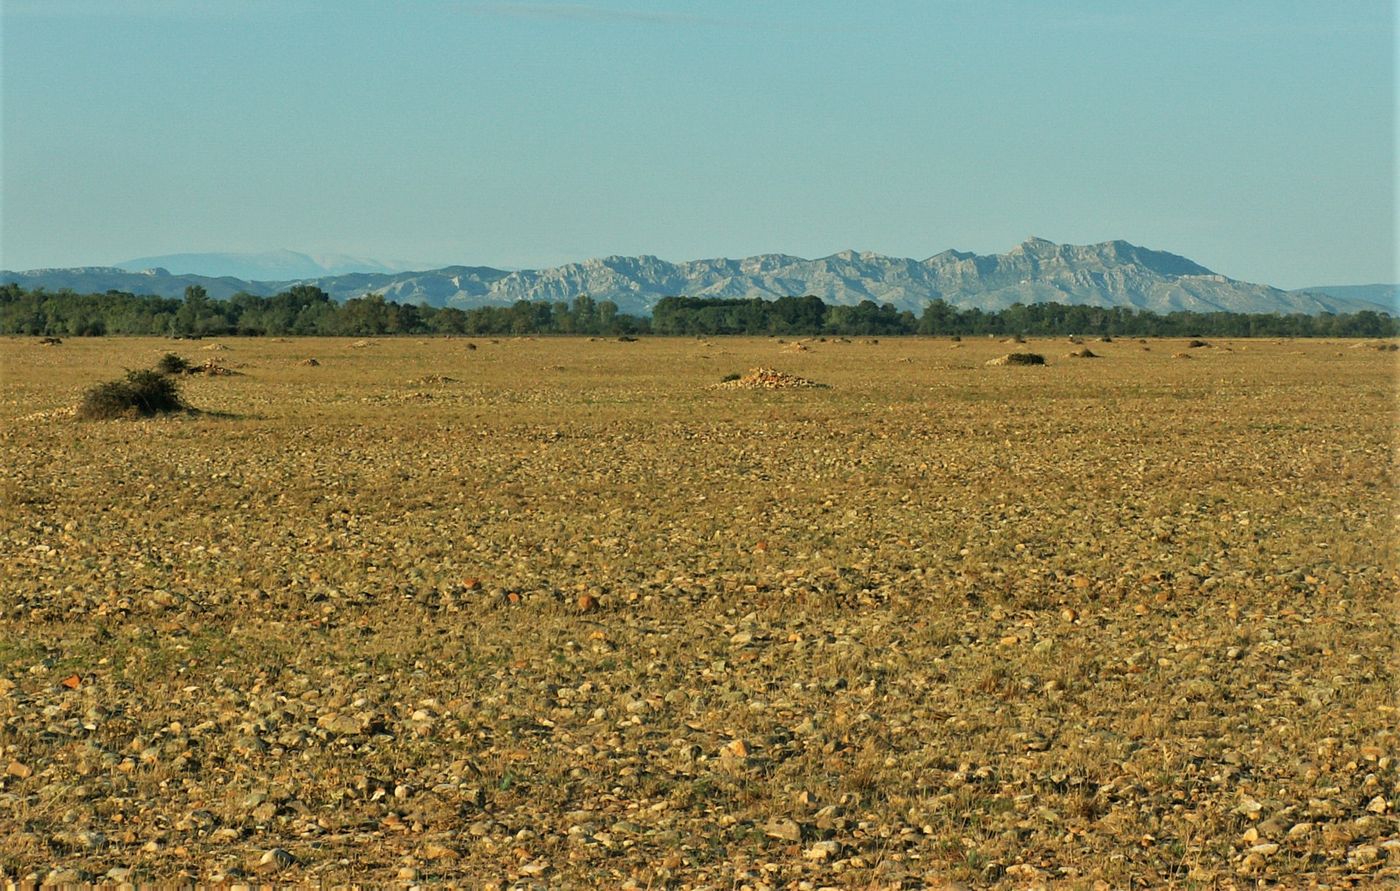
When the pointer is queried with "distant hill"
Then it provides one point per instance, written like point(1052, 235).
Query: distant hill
point(266, 266)
point(1383, 295)
point(158, 282)
point(1113, 273)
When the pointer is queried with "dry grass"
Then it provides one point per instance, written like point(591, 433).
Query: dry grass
point(581, 618)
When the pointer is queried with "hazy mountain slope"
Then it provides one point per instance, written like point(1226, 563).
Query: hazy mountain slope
point(1384, 295)
point(159, 282)
point(1114, 273)
point(267, 266)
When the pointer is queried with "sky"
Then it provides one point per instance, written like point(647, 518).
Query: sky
point(1257, 137)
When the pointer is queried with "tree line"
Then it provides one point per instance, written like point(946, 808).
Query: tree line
point(300, 310)
point(307, 310)
point(809, 315)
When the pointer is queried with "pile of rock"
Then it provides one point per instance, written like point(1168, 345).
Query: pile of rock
point(768, 379)
point(213, 368)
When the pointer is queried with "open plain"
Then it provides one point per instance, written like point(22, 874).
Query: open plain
point(561, 612)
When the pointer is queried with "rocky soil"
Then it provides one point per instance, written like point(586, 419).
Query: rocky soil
point(580, 619)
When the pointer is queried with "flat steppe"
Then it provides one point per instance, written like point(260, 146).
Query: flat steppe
point(559, 613)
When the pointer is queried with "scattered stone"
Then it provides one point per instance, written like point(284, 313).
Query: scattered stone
point(783, 828)
point(536, 867)
point(276, 860)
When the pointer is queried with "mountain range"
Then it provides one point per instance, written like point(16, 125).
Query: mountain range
point(1112, 273)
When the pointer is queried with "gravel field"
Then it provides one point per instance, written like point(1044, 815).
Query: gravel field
point(565, 613)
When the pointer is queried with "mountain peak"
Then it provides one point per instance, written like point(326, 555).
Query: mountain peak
point(1036, 247)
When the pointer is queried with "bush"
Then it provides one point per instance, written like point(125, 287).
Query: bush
point(1019, 359)
point(139, 394)
point(733, 376)
point(171, 363)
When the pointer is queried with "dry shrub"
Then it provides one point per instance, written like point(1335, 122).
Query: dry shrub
point(172, 363)
point(1018, 359)
point(139, 394)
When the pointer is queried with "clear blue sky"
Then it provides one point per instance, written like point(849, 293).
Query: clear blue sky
point(1257, 137)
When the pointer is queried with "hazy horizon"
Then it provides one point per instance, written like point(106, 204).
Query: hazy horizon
point(1257, 139)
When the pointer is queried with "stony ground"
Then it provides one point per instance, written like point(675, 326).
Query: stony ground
point(562, 613)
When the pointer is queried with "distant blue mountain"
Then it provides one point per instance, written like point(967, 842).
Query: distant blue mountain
point(267, 266)
point(1384, 295)
point(155, 282)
